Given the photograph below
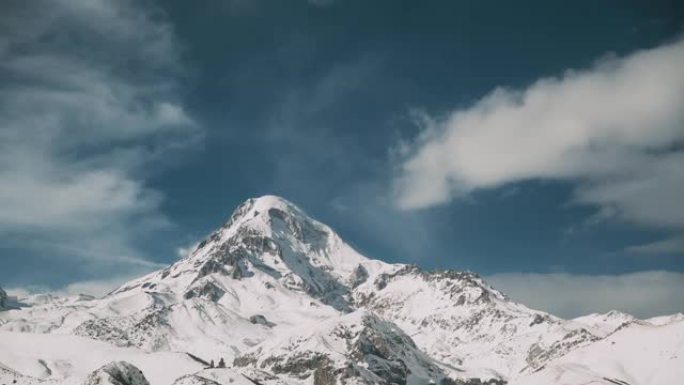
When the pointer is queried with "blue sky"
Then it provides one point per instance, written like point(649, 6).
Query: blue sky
point(540, 138)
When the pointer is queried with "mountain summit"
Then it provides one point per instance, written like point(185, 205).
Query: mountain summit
point(283, 299)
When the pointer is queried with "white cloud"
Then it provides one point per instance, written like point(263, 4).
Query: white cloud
point(89, 100)
point(615, 130)
point(643, 294)
point(183, 252)
point(95, 287)
point(665, 246)
point(75, 200)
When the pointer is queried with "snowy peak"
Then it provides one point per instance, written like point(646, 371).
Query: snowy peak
point(272, 225)
point(275, 217)
point(272, 240)
point(263, 207)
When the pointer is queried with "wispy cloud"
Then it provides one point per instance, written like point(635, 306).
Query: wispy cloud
point(666, 246)
point(89, 105)
point(301, 128)
point(94, 287)
point(615, 130)
point(644, 294)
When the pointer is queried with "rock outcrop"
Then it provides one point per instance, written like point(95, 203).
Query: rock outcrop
point(116, 373)
point(3, 299)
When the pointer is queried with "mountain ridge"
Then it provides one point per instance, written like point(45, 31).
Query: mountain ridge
point(271, 275)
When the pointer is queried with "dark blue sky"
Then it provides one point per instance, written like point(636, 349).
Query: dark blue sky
point(311, 102)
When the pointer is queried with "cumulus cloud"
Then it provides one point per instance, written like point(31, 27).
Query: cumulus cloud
point(88, 105)
point(615, 130)
point(643, 294)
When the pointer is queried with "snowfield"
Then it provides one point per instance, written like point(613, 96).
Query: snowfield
point(282, 299)
point(69, 359)
point(639, 353)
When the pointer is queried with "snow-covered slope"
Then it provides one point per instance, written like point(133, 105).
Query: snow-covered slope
point(460, 320)
point(358, 348)
point(285, 299)
point(11, 376)
point(666, 319)
point(68, 360)
point(218, 377)
point(640, 354)
point(604, 324)
point(269, 268)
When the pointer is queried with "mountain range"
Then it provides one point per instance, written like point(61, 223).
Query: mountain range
point(279, 298)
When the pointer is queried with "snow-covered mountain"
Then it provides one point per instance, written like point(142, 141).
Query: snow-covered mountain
point(282, 299)
point(637, 353)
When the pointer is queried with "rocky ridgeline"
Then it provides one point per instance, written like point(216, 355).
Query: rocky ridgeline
point(285, 300)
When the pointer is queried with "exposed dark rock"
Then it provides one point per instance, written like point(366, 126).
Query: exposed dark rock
point(238, 272)
point(298, 365)
point(381, 281)
point(165, 273)
point(149, 285)
point(208, 290)
point(538, 354)
point(259, 319)
point(198, 359)
point(117, 373)
point(3, 299)
point(461, 300)
point(324, 376)
point(201, 245)
point(103, 330)
point(359, 276)
point(212, 266)
point(538, 319)
point(246, 360)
